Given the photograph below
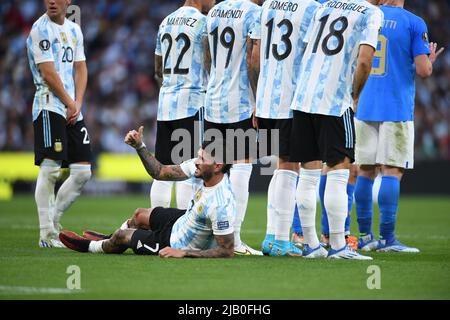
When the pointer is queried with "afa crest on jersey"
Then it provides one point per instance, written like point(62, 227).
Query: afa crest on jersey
point(58, 146)
point(64, 37)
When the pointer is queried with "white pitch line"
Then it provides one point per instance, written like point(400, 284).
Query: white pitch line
point(35, 290)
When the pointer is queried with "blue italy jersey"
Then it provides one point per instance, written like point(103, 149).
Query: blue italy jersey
point(389, 92)
point(329, 63)
point(211, 212)
point(284, 26)
point(229, 97)
point(62, 45)
point(180, 45)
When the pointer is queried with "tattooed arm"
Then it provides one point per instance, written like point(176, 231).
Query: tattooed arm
point(207, 54)
point(225, 249)
point(158, 70)
point(151, 164)
point(253, 48)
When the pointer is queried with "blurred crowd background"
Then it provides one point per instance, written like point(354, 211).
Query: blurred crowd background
point(122, 94)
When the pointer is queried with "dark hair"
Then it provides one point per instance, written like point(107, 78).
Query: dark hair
point(221, 159)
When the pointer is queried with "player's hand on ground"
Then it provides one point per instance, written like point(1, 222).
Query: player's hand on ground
point(169, 252)
point(74, 117)
point(433, 53)
point(134, 138)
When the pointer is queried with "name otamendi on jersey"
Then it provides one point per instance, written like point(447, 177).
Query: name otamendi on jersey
point(229, 97)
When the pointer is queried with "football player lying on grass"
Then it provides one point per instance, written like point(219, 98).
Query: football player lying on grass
point(204, 230)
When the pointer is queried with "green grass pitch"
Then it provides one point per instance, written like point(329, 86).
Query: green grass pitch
point(28, 272)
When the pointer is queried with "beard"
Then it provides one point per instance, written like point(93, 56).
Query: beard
point(205, 176)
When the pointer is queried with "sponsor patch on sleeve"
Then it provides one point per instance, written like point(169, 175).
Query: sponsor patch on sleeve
point(44, 45)
point(425, 37)
point(222, 225)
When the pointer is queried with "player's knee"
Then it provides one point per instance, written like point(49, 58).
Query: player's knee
point(141, 218)
point(49, 169)
point(118, 237)
point(81, 173)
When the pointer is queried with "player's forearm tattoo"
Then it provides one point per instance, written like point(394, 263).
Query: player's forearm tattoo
point(159, 171)
point(253, 69)
point(207, 54)
point(225, 249)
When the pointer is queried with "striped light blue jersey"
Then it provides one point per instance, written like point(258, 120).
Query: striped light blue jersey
point(180, 45)
point(211, 212)
point(229, 96)
point(62, 45)
point(326, 74)
point(283, 29)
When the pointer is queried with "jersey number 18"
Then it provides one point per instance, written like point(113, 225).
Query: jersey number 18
point(333, 32)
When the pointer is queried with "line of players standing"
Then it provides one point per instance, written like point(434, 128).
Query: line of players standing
point(295, 66)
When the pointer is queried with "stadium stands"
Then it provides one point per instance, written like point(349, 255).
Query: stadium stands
point(119, 44)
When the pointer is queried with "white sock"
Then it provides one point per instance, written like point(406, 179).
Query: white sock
point(336, 203)
point(161, 193)
point(271, 205)
point(184, 192)
point(240, 177)
point(71, 189)
point(45, 195)
point(306, 203)
point(124, 225)
point(284, 195)
point(96, 246)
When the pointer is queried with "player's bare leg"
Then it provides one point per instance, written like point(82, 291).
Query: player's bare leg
point(139, 220)
point(118, 243)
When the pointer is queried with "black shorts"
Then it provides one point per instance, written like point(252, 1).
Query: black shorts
point(54, 139)
point(321, 137)
point(268, 147)
point(149, 242)
point(244, 140)
point(164, 144)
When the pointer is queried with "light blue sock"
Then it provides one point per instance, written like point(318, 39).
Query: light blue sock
point(364, 204)
point(296, 225)
point(388, 203)
point(325, 227)
point(350, 192)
